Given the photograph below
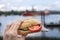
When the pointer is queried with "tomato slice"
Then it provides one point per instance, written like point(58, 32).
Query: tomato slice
point(35, 28)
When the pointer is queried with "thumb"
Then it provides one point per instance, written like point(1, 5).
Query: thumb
point(23, 37)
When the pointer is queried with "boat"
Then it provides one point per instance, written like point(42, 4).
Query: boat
point(31, 13)
point(35, 13)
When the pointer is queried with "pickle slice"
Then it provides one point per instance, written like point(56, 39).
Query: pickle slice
point(24, 29)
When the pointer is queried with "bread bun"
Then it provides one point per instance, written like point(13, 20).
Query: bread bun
point(29, 22)
point(25, 24)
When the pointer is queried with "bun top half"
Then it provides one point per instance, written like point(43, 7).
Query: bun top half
point(29, 22)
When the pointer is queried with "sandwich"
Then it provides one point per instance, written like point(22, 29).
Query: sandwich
point(29, 26)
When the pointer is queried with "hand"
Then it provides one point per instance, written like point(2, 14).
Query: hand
point(11, 31)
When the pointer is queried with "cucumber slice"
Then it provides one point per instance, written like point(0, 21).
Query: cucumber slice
point(25, 29)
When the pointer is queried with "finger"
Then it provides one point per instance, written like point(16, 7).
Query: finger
point(8, 27)
point(16, 25)
point(12, 26)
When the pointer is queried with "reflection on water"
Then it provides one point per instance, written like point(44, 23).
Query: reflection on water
point(53, 32)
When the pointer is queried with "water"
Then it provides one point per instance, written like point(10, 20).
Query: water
point(52, 33)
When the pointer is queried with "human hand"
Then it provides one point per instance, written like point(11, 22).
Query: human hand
point(11, 31)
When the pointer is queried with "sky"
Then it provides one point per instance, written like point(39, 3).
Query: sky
point(19, 5)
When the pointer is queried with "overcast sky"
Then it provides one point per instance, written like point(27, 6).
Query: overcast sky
point(6, 5)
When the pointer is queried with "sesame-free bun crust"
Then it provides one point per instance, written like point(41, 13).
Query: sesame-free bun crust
point(27, 23)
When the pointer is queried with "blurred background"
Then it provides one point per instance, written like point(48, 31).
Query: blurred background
point(47, 11)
